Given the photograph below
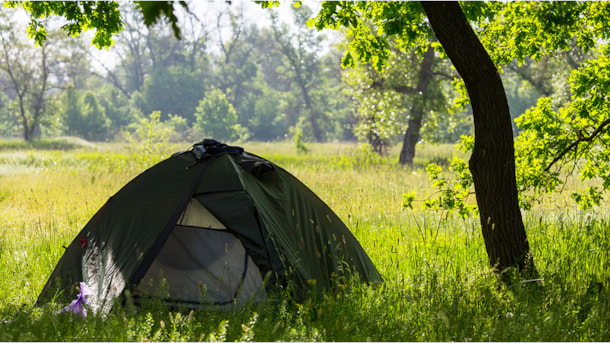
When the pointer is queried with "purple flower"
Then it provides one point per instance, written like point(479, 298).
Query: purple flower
point(76, 306)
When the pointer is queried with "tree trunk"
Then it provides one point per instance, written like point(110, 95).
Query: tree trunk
point(39, 102)
point(24, 119)
point(492, 163)
point(417, 110)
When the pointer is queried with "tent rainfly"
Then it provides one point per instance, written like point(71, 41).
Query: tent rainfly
point(211, 226)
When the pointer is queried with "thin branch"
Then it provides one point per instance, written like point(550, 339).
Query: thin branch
point(113, 77)
point(402, 89)
point(600, 129)
point(444, 75)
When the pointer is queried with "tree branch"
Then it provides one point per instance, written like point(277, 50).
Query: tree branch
point(402, 89)
point(600, 129)
point(444, 75)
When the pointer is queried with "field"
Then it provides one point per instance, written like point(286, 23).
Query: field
point(438, 286)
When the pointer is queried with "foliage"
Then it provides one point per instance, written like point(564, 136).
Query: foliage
point(381, 112)
point(174, 90)
point(297, 138)
point(149, 139)
point(84, 116)
point(180, 130)
point(267, 122)
point(154, 11)
point(97, 122)
point(369, 44)
point(574, 137)
point(73, 117)
point(216, 117)
point(539, 29)
point(116, 107)
point(452, 193)
point(103, 16)
point(8, 126)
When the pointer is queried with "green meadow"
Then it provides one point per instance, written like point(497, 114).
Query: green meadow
point(438, 285)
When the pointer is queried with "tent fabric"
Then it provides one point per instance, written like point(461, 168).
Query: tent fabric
point(202, 266)
point(197, 215)
point(284, 229)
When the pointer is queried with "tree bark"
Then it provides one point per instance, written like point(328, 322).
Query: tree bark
point(407, 153)
point(492, 163)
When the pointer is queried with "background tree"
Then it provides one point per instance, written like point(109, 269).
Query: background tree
point(72, 64)
point(27, 77)
point(133, 66)
point(237, 62)
point(301, 51)
point(407, 96)
point(171, 90)
point(267, 121)
point(216, 117)
point(98, 123)
point(84, 116)
point(237, 72)
point(73, 114)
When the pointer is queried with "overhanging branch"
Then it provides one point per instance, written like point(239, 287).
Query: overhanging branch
point(600, 129)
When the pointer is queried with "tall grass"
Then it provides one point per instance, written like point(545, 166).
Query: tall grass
point(438, 285)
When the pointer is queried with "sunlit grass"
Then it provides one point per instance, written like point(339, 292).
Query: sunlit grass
point(438, 285)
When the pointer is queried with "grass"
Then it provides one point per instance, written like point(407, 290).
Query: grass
point(438, 286)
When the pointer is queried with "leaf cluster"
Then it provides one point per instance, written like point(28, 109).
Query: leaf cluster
point(520, 30)
point(574, 136)
point(102, 16)
point(153, 11)
point(402, 20)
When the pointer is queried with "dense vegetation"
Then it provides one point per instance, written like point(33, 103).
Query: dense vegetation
point(438, 285)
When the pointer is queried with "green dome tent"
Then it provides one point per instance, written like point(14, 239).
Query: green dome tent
point(211, 224)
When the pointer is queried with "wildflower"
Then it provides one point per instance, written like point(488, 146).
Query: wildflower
point(76, 306)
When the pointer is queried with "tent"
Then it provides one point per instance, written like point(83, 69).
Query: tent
point(213, 225)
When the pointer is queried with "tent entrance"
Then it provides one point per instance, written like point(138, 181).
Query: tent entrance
point(202, 263)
